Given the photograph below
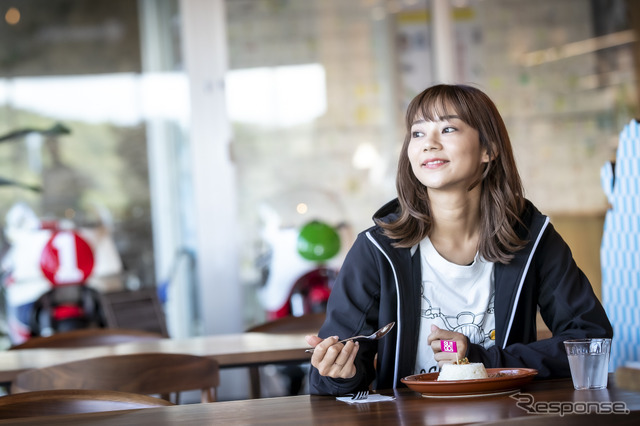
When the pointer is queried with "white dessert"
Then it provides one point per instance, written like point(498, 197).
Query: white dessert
point(470, 371)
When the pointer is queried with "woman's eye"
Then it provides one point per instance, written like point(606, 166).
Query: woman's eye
point(417, 134)
point(448, 130)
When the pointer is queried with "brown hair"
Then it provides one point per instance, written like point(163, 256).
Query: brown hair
point(501, 200)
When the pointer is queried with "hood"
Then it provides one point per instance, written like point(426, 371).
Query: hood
point(389, 212)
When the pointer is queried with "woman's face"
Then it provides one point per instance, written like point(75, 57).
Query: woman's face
point(446, 155)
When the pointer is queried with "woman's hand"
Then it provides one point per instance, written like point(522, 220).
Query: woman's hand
point(333, 359)
point(437, 335)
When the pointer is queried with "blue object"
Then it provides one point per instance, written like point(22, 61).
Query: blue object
point(620, 249)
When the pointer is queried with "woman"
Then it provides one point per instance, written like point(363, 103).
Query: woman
point(460, 255)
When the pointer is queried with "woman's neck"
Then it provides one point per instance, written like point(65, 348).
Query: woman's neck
point(456, 225)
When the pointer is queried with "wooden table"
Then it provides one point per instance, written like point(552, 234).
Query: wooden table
point(230, 350)
point(409, 408)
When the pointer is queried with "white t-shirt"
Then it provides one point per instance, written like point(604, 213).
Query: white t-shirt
point(456, 298)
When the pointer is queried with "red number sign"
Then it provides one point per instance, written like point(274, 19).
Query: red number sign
point(66, 258)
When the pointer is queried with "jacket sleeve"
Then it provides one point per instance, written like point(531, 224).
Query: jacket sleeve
point(567, 304)
point(352, 309)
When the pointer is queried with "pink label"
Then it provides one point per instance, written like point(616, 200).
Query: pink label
point(448, 346)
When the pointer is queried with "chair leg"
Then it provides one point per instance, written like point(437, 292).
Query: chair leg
point(296, 375)
point(209, 395)
point(254, 376)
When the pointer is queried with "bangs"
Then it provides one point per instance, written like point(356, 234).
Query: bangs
point(438, 104)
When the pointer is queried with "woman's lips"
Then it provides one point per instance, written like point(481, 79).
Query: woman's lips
point(434, 163)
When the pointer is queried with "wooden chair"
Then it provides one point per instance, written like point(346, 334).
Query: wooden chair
point(134, 309)
point(308, 323)
point(148, 373)
point(73, 401)
point(88, 337)
point(84, 338)
point(543, 331)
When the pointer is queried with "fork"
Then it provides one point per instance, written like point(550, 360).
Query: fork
point(364, 394)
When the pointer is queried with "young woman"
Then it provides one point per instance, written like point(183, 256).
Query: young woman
point(459, 255)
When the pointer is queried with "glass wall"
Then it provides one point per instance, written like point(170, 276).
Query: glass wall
point(313, 105)
point(73, 106)
point(316, 92)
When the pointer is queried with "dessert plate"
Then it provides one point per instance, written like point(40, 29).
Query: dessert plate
point(500, 381)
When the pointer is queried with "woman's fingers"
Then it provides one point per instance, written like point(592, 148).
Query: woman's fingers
point(336, 360)
point(328, 356)
point(322, 355)
point(312, 340)
point(350, 364)
point(435, 342)
point(344, 366)
point(445, 358)
point(347, 354)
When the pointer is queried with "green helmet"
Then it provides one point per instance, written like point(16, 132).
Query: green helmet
point(318, 241)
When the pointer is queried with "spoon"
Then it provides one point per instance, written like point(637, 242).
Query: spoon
point(375, 336)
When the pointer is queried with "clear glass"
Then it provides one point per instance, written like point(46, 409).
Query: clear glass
point(313, 107)
point(316, 95)
point(73, 127)
point(317, 90)
point(589, 362)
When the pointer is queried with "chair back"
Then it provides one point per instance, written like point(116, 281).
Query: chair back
point(134, 309)
point(308, 323)
point(147, 373)
point(73, 401)
point(88, 337)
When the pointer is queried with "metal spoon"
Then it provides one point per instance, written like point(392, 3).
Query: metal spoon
point(375, 336)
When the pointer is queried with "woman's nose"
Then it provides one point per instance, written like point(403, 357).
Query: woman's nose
point(430, 142)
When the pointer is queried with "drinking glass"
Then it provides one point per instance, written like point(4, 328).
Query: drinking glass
point(589, 362)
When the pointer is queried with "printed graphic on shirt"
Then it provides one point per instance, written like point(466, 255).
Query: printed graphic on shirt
point(458, 298)
point(468, 323)
point(478, 326)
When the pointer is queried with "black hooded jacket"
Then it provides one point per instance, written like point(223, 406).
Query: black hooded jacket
point(378, 284)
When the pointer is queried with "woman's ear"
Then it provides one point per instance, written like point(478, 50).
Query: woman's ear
point(488, 157)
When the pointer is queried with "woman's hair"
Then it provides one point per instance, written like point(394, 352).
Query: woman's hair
point(501, 200)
